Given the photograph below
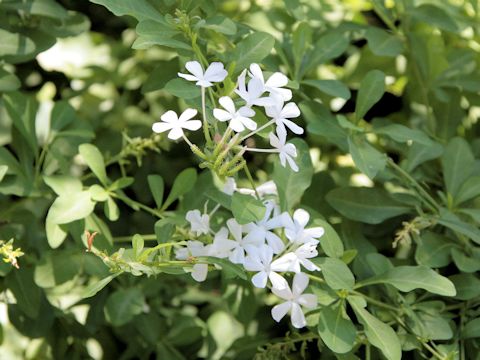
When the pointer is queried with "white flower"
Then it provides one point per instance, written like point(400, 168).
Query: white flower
point(239, 120)
point(274, 83)
point(195, 248)
point(176, 124)
point(295, 299)
point(262, 230)
point(260, 259)
point(281, 114)
point(222, 246)
point(214, 73)
point(300, 257)
point(200, 224)
point(252, 94)
point(286, 151)
point(267, 188)
point(295, 228)
point(237, 256)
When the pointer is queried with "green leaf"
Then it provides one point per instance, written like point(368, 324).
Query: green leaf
point(454, 223)
point(68, 208)
point(404, 134)
point(418, 154)
point(220, 198)
point(94, 159)
point(408, 278)
point(28, 295)
point(47, 8)
point(246, 208)
point(433, 250)
point(435, 16)
point(164, 229)
point(22, 109)
point(301, 42)
point(3, 171)
point(139, 9)
point(182, 89)
point(98, 193)
point(457, 164)
point(112, 212)
point(161, 74)
point(467, 286)
point(137, 245)
point(121, 183)
point(471, 329)
point(220, 24)
point(368, 205)
point(378, 333)
point(159, 33)
point(328, 47)
point(57, 268)
point(63, 184)
point(8, 81)
point(184, 182)
point(371, 90)
point(291, 185)
point(469, 190)
point(321, 122)
point(252, 49)
point(464, 262)
point(157, 186)
point(336, 273)
point(330, 241)
point(123, 305)
point(336, 329)
point(382, 43)
point(368, 160)
point(15, 44)
point(331, 87)
point(55, 234)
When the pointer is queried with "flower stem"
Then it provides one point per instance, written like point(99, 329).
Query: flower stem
point(262, 150)
point(249, 176)
point(206, 130)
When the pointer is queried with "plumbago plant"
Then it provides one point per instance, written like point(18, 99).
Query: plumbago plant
point(297, 179)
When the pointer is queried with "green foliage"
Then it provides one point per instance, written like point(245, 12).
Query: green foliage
point(389, 167)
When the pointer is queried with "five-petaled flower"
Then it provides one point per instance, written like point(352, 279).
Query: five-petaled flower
point(215, 72)
point(294, 300)
point(176, 124)
point(239, 119)
point(286, 151)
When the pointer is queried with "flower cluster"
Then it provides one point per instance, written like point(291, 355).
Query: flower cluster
point(270, 248)
point(9, 253)
point(253, 91)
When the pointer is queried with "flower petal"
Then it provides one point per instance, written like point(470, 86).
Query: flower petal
point(195, 68)
point(170, 117)
point(187, 114)
point(188, 77)
point(199, 272)
point(227, 104)
point(192, 125)
point(292, 163)
point(293, 127)
point(302, 217)
point(176, 133)
point(284, 262)
point(277, 80)
point(247, 122)
point(290, 110)
point(246, 111)
point(236, 125)
point(300, 283)
point(308, 300)
point(298, 319)
point(222, 115)
point(279, 311)
point(278, 281)
point(215, 72)
point(256, 72)
point(160, 127)
point(260, 279)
